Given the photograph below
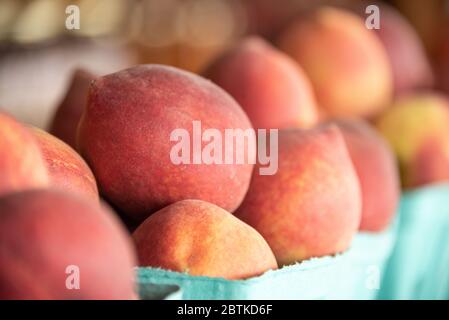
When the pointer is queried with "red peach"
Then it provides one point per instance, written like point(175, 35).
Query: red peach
point(54, 245)
point(426, 19)
point(67, 170)
point(431, 163)
point(269, 85)
point(376, 168)
point(410, 66)
point(125, 133)
point(311, 207)
point(68, 114)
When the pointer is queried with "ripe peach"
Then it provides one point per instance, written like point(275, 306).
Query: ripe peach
point(431, 163)
point(125, 133)
point(409, 64)
point(417, 128)
point(311, 207)
point(270, 86)
point(21, 163)
point(67, 170)
point(68, 114)
point(426, 19)
point(54, 245)
point(346, 63)
point(200, 238)
point(376, 168)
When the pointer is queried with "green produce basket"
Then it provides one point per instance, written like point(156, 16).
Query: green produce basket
point(356, 274)
point(419, 264)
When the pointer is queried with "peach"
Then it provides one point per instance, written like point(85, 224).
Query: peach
point(67, 170)
point(426, 19)
point(417, 128)
point(408, 59)
point(68, 114)
point(54, 245)
point(21, 163)
point(376, 168)
point(431, 163)
point(202, 239)
point(311, 207)
point(269, 85)
point(409, 63)
point(125, 137)
point(346, 63)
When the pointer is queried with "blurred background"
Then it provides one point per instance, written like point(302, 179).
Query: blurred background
point(38, 54)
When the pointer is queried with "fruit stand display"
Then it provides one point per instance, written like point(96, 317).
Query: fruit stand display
point(242, 151)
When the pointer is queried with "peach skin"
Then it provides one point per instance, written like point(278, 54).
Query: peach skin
point(21, 164)
point(67, 170)
point(54, 245)
point(202, 239)
point(68, 114)
point(125, 136)
point(346, 63)
point(312, 206)
point(376, 167)
point(417, 128)
point(270, 86)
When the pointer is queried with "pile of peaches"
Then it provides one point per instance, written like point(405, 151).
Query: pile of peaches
point(100, 192)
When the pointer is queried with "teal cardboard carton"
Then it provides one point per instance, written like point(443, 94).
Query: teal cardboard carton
point(314, 279)
point(367, 261)
point(355, 274)
point(419, 264)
